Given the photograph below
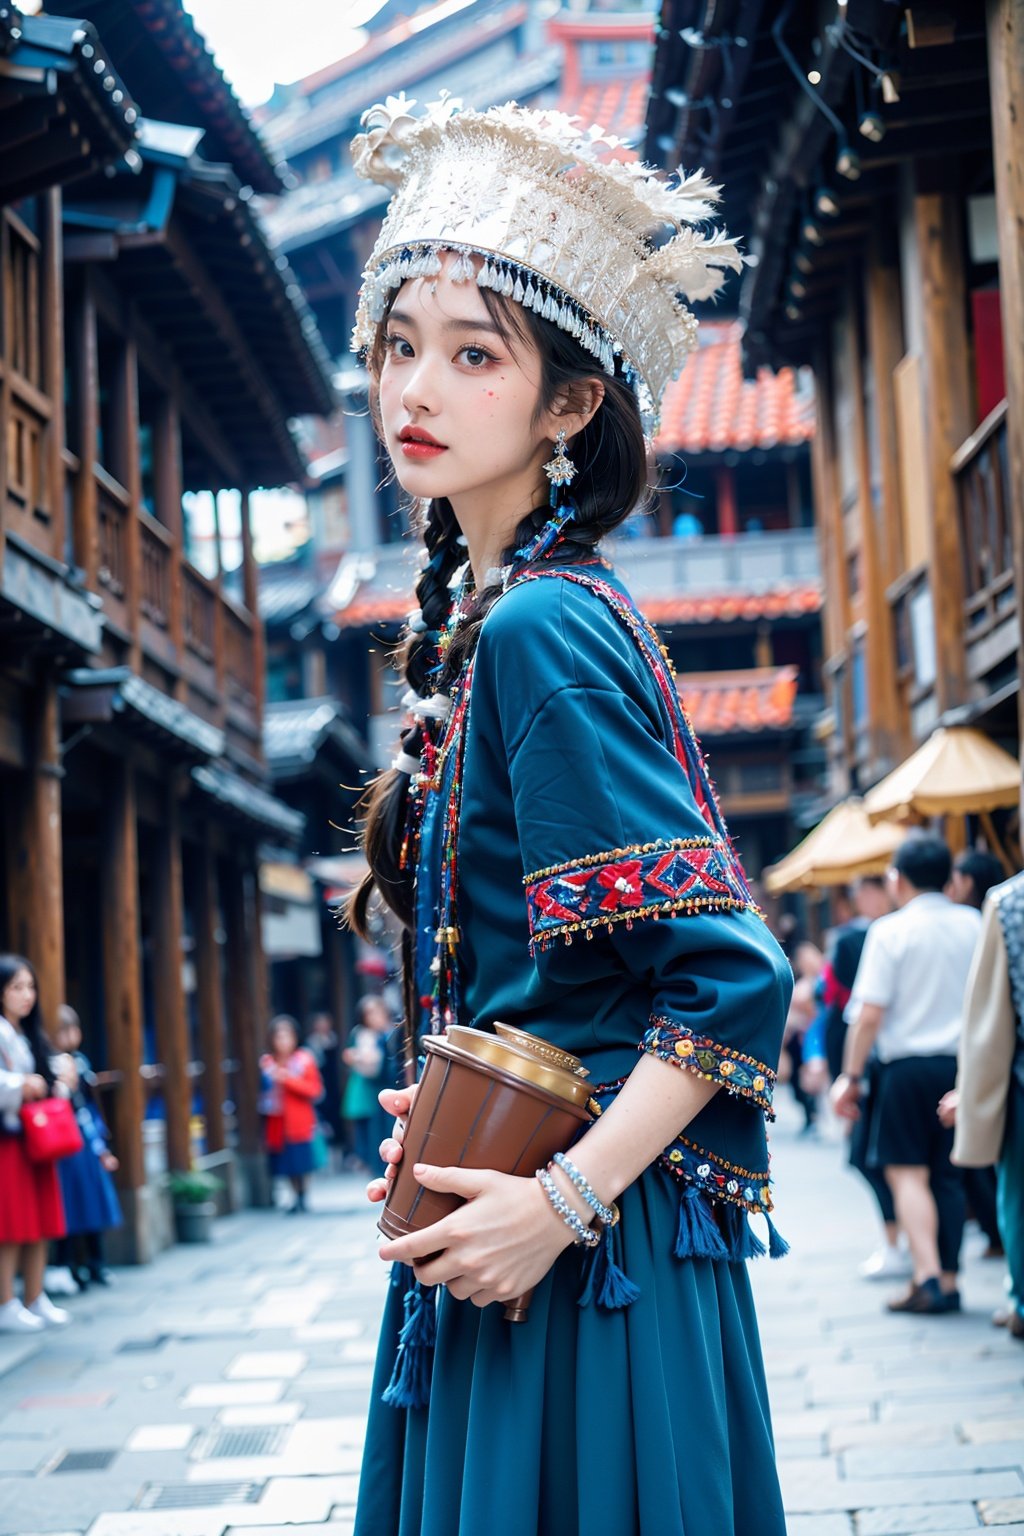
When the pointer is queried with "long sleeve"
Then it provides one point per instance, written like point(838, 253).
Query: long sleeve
point(307, 1083)
point(986, 1049)
point(11, 1085)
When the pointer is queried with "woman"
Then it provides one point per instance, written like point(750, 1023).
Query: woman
point(31, 1212)
point(365, 1056)
point(91, 1206)
point(291, 1087)
point(552, 844)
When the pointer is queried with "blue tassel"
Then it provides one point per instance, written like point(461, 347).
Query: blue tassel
point(616, 1289)
point(777, 1245)
point(697, 1236)
point(409, 1386)
point(740, 1238)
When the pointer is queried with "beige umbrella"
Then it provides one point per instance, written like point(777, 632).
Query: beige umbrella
point(958, 771)
point(841, 847)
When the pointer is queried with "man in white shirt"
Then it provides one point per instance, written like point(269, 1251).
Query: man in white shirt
point(907, 1006)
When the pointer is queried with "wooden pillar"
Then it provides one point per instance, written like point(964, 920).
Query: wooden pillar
point(212, 1035)
point(53, 365)
point(879, 641)
point(251, 590)
point(125, 414)
point(122, 982)
point(246, 1026)
point(172, 1035)
point(1006, 83)
point(86, 365)
point(168, 482)
point(946, 400)
point(35, 888)
point(885, 349)
point(829, 521)
point(725, 486)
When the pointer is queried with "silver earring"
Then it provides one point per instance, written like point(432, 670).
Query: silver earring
point(560, 470)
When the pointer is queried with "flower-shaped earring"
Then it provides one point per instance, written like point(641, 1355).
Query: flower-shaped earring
point(561, 471)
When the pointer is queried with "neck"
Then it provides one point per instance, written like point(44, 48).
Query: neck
point(489, 517)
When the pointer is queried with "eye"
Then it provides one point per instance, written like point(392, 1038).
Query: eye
point(395, 343)
point(476, 357)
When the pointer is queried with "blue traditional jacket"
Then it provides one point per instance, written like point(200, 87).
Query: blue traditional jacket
point(600, 903)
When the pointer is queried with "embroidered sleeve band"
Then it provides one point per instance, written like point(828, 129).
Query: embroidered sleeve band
point(738, 1074)
point(647, 880)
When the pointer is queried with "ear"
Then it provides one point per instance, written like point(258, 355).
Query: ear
point(575, 407)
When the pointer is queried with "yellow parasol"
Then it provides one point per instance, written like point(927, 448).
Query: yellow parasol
point(958, 771)
point(841, 847)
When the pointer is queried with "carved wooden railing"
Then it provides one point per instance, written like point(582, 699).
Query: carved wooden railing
point(239, 658)
point(981, 471)
point(199, 598)
point(157, 546)
point(113, 509)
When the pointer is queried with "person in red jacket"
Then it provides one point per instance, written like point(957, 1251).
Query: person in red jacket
point(291, 1086)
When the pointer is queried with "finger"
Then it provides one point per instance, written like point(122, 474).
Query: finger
point(391, 1150)
point(460, 1288)
point(483, 1298)
point(397, 1101)
point(467, 1182)
point(377, 1190)
point(430, 1241)
point(440, 1269)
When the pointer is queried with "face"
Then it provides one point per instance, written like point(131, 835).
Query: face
point(69, 1037)
point(961, 888)
point(375, 1016)
point(283, 1041)
point(459, 407)
point(19, 997)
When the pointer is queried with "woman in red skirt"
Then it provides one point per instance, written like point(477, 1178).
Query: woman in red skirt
point(31, 1211)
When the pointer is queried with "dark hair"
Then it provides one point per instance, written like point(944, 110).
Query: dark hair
point(611, 481)
point(924, 860)
point(878, 881)
point(32, 1026)
point(982, 869)
point(282, 1021)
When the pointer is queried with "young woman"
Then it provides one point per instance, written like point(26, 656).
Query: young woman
point(91, 1206)
point(551, 841)
point(31, 1212)
point(291, 1087)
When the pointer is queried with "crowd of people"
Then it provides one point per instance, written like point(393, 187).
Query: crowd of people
point(910, 1022)
point(57, 1194)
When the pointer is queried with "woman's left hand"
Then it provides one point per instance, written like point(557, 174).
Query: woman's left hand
point(498, 1245)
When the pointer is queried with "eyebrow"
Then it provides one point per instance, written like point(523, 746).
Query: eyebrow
point(402, 318)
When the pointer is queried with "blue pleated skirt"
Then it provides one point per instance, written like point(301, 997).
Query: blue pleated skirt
point(648, 1421)
point(90, 1199)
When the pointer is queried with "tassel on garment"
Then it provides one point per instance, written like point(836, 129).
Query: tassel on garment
point(698, 1236)
point(607, 1283)
point(409, 1386)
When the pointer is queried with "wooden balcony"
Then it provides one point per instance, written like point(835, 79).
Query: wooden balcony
point(980, 470)
point(113, 513)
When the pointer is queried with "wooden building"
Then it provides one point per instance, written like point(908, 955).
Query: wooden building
point(872, 159)
point(153, 352)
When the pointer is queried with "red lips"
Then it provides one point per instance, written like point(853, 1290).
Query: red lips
point(417, 443)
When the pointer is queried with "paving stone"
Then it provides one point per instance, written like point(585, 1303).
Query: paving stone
point(807, 1489)
point(222, 1394)
point(980, 1430)
point(819, 1525)
point(161, 1437)
point(877, 1462)
point(264, 1365)
point(1001, 1511)
point(902, 1521)
point(252, 1416)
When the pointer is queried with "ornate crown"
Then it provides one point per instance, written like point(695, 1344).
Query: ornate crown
point(601, 248)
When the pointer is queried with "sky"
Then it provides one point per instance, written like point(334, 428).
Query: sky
point(256, 52)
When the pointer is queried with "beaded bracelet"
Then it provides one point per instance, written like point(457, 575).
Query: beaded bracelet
point(607, 1215)
point(583, 1236)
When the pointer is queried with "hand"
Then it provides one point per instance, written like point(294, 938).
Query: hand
point(948, 1106)
point(34, 1087)
point(814, 1075)
point(845, 1097)
point(110, 1162)
point(67, 1072)
point(498, 1245)
point(397, 1102)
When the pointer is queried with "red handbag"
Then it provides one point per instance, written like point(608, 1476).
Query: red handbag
point(50, 1130)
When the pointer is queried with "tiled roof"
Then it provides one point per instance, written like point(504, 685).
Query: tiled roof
point(295, 730)
point(711, 407)
point(619, 106)
point(284, 592)
point(730, 703)
point(784, 601)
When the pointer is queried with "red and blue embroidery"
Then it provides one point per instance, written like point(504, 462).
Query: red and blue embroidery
point(669, 876)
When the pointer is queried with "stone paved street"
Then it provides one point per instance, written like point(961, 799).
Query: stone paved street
point(222, 1390)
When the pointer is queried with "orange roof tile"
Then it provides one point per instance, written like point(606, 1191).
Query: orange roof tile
point(780, 602)
point(777, 602)
point(728, 703)
point(619, 106)
point(711, 407)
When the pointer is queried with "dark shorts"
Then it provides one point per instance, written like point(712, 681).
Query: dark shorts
point(905, 1129)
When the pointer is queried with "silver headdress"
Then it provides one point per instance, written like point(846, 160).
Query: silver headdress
point(601, 248)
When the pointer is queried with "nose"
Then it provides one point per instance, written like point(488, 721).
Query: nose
point(420, 391)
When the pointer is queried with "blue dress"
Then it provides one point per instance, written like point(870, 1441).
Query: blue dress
point(90, 1199)
point(597, 902)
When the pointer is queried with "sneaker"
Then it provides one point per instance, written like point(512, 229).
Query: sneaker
point(50, 1316)
point(1015, 1325)
point(887, 1263)
point(927, 1299)
point(59, 1281)
point(15, 1319)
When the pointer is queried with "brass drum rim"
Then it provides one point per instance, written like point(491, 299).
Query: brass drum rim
point(519, 1063)
point(543, 1049)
